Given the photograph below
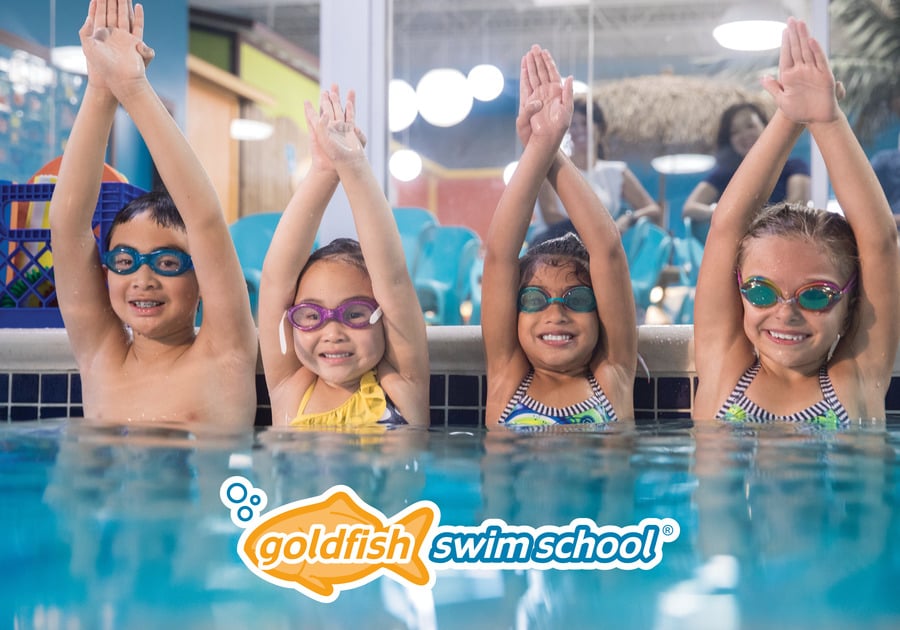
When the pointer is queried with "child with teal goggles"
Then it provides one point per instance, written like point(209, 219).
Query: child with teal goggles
point(815, 296)
point(165, 261)
point(579, 299)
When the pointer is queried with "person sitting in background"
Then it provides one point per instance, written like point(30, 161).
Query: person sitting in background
point(886, 165)
point(612, 181)
point(739, 128)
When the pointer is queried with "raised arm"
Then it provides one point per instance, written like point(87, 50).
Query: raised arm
point(807, 94)
point(722, 350)
point(545, 111)
point(228, 327)
point(406, 375)
point(288, 252)
point(610, 278)
point(80, 281)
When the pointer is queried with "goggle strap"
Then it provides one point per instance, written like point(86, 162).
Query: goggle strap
point(282, 340)
point(376, 315)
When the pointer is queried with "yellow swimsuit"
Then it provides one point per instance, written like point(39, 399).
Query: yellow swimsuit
point(366, 407)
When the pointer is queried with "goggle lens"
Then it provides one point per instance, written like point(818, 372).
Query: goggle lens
point(578, 299)
point(165, 262)
point(307, 316)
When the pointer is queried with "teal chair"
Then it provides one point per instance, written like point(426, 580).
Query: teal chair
point(414, 225)
point(475, 275)
point(698, 229)
point(687, 254)
point(251, 236)
point(649, 260)
point(443, 272)
point(632, 238)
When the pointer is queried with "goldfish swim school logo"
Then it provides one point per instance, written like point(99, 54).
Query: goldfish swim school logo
point(333, 542)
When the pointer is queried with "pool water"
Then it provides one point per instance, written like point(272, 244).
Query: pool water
point(112, 527)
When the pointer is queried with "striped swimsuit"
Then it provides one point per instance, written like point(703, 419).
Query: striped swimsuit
point(827, 413)
point(523, 410)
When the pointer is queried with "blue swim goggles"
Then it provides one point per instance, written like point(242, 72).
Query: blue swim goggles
point(165, 262)
point(579, 299)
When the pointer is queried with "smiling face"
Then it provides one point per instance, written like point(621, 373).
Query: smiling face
point(786, 334)
point(152, 305)
point(746, 127)
point(556, 338)
point(337, 353)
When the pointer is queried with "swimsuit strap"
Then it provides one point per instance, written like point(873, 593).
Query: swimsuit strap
point(517, 397)
point(739, 389)
point(306, 396)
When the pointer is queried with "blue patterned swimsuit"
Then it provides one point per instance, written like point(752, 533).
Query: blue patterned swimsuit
point(828, 413)
point(523, 410)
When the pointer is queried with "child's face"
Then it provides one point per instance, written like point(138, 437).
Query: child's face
point(337, 353)
point(746, 127)
point(151, 304)
point(785, 333)
point(556, 338)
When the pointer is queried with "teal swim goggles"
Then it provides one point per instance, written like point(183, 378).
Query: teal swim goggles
point(165, 262)
point(579, 299)
point(815, 296)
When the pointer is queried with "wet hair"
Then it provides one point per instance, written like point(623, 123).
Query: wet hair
point(828, 230)
point(600, 126)
point(158, 204)
point(556, 252)
point(346, 250)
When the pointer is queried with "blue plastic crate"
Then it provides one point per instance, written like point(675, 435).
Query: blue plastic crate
point(27, 291)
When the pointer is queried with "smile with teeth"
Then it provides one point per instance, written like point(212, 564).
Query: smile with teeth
point(336, 355)
point(780, 336)
point(145, 303)
point(556, 337)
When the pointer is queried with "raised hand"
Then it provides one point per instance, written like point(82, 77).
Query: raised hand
point(805, 91)
point(112, 41)
point(552, 117)
point(334, 133)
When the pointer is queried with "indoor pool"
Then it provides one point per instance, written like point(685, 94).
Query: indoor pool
point(123, 527)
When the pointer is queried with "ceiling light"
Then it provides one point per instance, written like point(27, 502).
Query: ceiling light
point(485, 81)
point(682, 163)
point(509, 170)
point(246, 129)
point(402, 109)
point(69, 59)
point(751, 27)
point(405, 165)
point(443, 97)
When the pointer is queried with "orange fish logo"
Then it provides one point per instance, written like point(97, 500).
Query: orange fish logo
point(326, 544)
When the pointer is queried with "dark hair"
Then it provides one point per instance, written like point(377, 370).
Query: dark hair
point(725, 153)
point(556, 252)
point(828, 230)
point(600, 126)
point(345, 250)
point(158, 204)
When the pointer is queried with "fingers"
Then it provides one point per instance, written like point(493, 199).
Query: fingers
point(111, 8)
point(138, 27)
point(772, 86)
point(568, 94)
point(542, 69)
point(523, 82)
point(839, 90)
point(123, 14)
point(796, 56)
point(350, 110)
point(533, 78)
point(550, 66)
point(817, 55)
point(146, 53)
point(88, 27)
